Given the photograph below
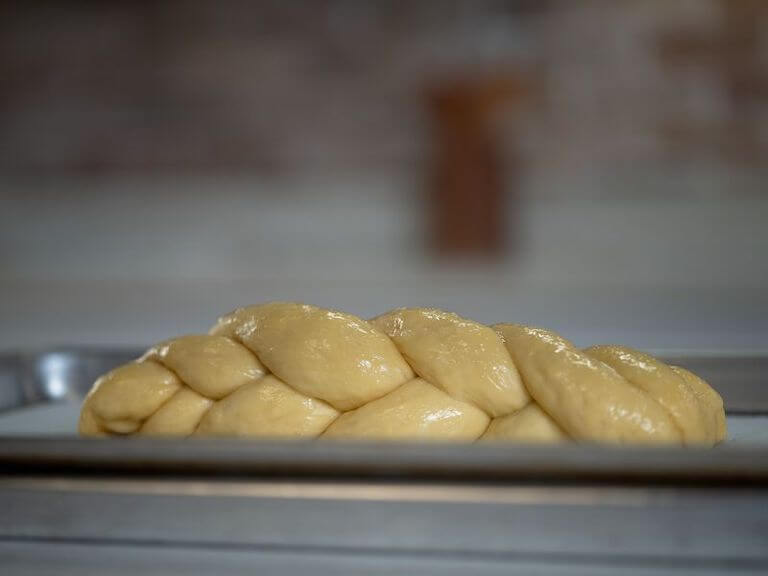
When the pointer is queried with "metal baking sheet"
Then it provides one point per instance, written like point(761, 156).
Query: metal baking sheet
point(198, 506)
point(40, 395)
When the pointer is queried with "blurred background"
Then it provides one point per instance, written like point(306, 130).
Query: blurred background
point(594, 167)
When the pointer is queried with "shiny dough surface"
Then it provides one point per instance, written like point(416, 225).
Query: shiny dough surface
point(290, 370)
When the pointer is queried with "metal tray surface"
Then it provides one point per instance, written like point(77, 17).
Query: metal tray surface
point(54, 376)
point(82, 506)
point(40, 394)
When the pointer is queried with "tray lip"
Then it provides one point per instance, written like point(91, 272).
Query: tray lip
point(246, 458)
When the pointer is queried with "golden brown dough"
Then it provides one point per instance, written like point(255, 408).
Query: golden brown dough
point(284, 369)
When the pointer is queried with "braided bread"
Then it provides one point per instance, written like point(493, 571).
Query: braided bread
point(292, 370)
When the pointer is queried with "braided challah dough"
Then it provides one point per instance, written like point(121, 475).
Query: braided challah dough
point(292, 370)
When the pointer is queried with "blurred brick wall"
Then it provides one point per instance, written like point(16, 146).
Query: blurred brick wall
point(265, 85)
point(340, 85)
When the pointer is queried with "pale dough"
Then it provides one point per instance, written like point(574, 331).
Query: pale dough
point(179, 416)
point(415, 410)
point(464, 358)
point(284, 369)
point(662, 384)
point(531, 425)
point(268, 407)
point(330, 355)
point(587, 398)
point(122, 399)
point(709, 400)
point(211, 365)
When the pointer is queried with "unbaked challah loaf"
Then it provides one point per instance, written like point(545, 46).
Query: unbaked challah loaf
point(292, 370)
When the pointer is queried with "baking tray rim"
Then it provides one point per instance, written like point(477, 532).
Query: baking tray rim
point(248, 458)
point(254, 458)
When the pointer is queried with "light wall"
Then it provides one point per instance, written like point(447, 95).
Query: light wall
point(131, 260)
